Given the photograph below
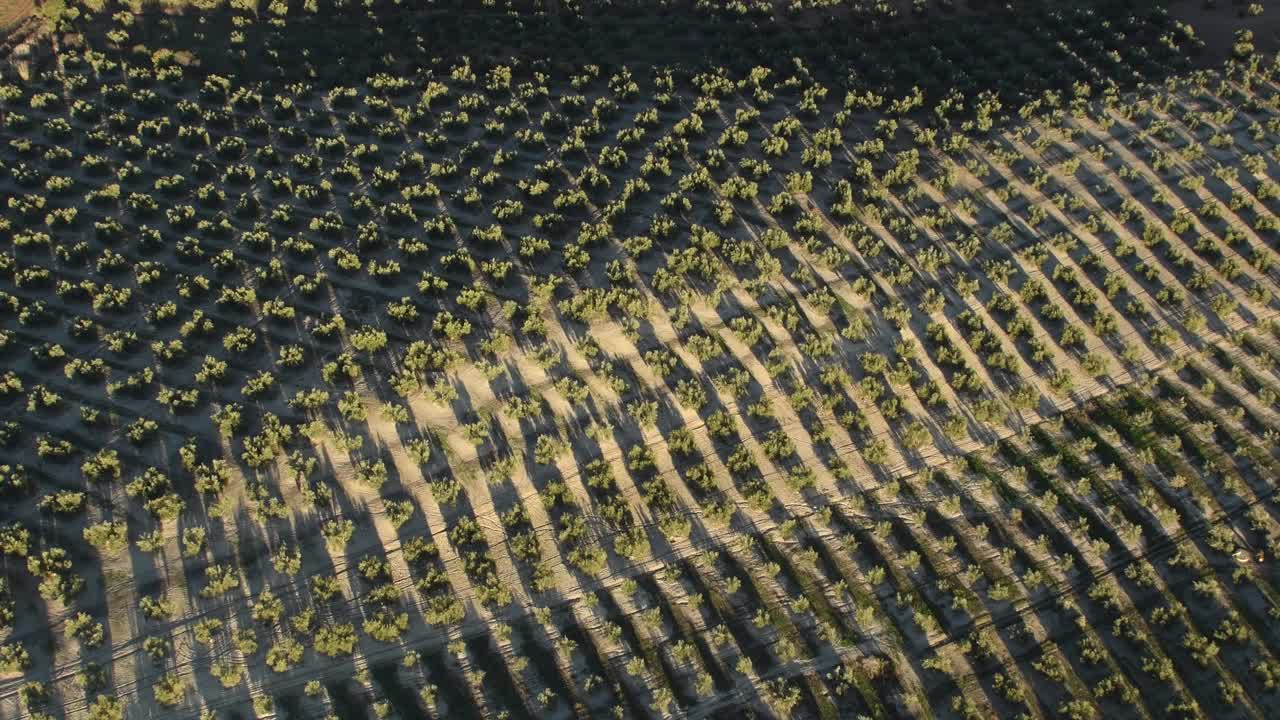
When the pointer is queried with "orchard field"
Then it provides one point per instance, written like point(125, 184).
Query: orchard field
point(640, 359)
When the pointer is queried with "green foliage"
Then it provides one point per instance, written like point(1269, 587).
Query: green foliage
point(108, 537)
point(227, 673)
point(385, 626)
point(15, 540)
point(106, 707)
point(13, 658)
point(337, 533)
point(267, 608)
point(169, 690)
point(82, 627)
point(334, 640)
point(284, 654)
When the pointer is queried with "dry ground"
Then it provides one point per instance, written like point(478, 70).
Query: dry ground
point(237, 537)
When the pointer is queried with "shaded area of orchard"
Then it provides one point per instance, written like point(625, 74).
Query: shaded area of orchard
point(1017, 49)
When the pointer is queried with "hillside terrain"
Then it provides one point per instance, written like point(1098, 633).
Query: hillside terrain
point(640, 359)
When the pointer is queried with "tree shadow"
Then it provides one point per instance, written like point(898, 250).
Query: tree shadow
point(1015, 49)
